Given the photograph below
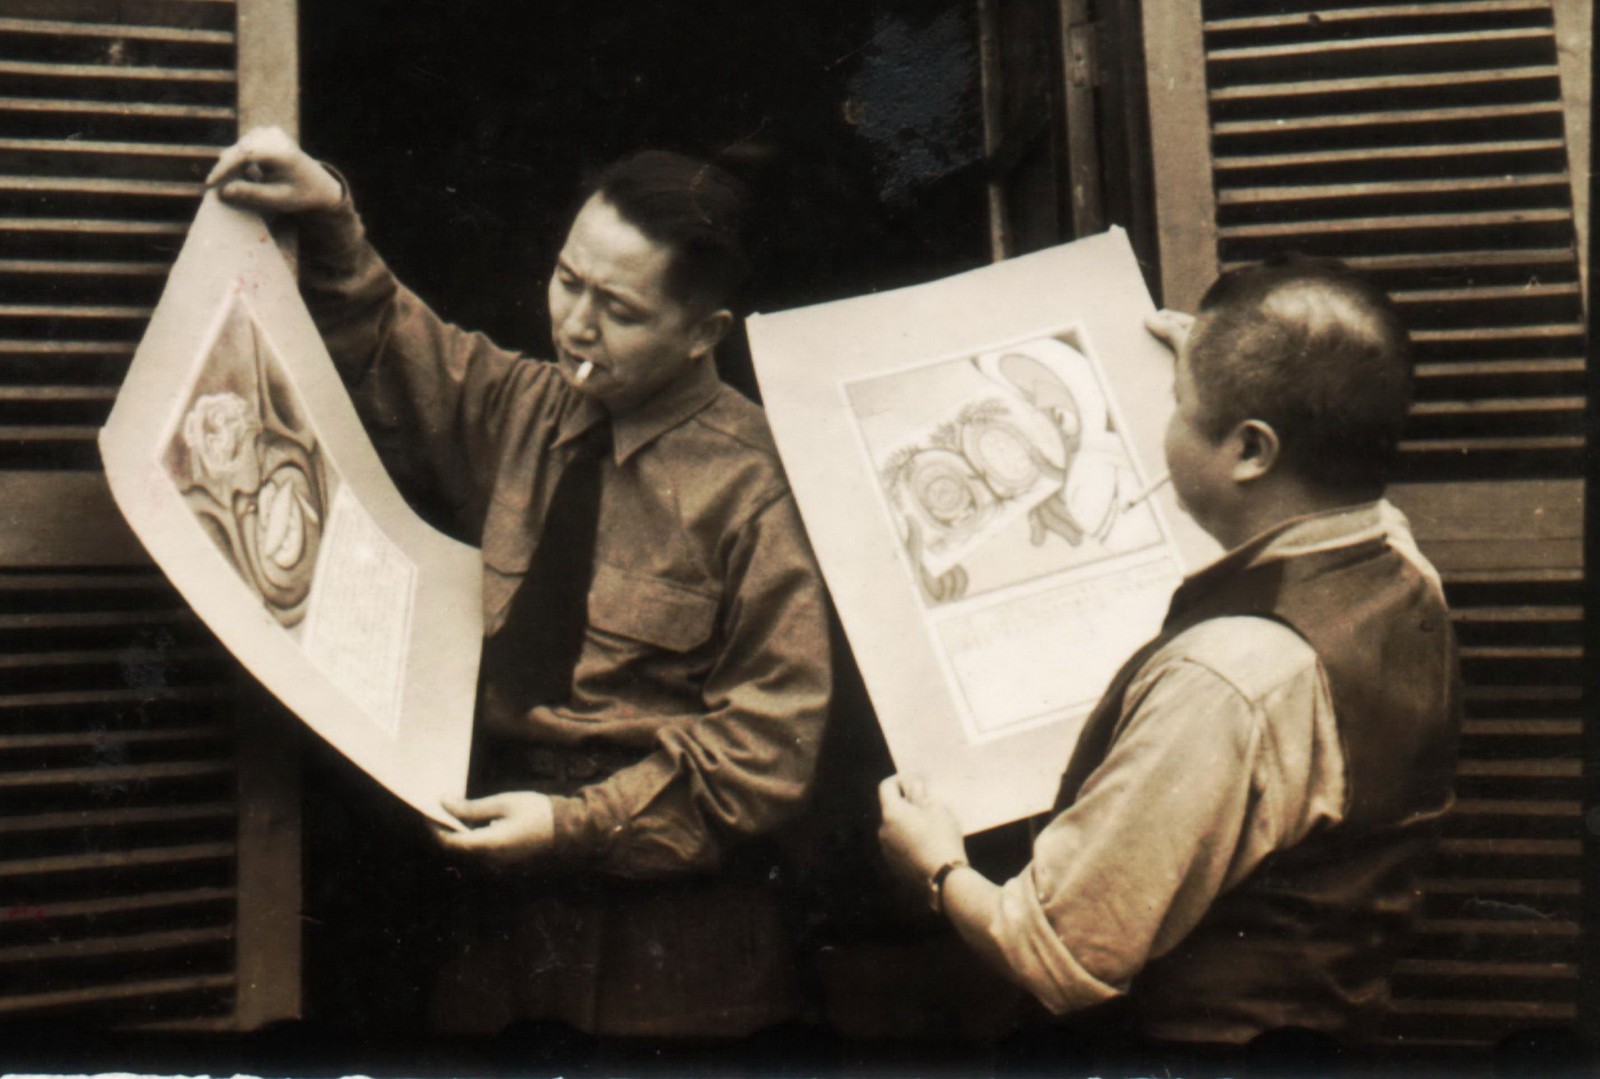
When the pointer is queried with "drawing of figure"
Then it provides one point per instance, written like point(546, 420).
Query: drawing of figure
point(1032, 441)
point(1098, 473)
point(252, 473)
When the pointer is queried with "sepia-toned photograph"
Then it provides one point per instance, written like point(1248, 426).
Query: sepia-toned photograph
point(856, 539)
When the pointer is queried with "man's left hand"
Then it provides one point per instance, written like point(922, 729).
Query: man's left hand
point(505, 828)
point(918, 834)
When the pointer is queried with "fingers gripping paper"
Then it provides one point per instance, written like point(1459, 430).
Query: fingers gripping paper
point(968, 457)
point(236, 456)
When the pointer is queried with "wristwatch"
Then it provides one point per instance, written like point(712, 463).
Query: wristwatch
point(936, 884)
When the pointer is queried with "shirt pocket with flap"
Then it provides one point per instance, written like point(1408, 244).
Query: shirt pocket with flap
point(649, 609)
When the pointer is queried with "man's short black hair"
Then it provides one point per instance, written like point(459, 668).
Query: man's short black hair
point(693, 207)
point(1313, 349)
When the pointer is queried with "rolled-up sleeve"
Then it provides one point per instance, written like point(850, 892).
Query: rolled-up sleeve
point(1204, 779)
point(745, 765)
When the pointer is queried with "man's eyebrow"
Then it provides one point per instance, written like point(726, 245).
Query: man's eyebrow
point(629, 298)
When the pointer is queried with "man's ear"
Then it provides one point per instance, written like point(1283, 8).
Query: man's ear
point(1258, 450)
point(709, 332)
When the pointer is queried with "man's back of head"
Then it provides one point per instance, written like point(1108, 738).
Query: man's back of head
point(1320, 355)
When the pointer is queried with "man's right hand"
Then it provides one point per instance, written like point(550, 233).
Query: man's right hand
point(267, 171)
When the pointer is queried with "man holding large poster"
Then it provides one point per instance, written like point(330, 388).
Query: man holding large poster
point(1238, 830)
point(656, 670)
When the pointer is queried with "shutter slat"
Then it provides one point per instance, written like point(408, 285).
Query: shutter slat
point(1515, 575)
point(1450, 447)
point(1466, 968)
point(1448, 114)
point(104, 148)
point(1392, 223)
point(62, 582)
point(70, 739)
point(1520, 1010)
point(112, 697)
point(1499, 886)
point(1496, 927)
point(132, 944)
point(1451, 260)
point(1229, 196)
point(42, 310)
point(1366, 84)
point(1524, 652)
point(80, 185)
point(50, 348)
point(113, 905)
point(1499, 333)
point(148, 109)
point(1493, 807)
point(1559, 848)
point(1326, 16)
point(1541, 692)
point(74, 619)
point(115, 818)
point(115, 773)
point(1523, 728)
point(49, 434)
point(1562, 768)
point(121, 991)
point(100, 861)
point(92, 226)
point(1481, 368)
point(1517, 614)
point(1323, 48)
point(115, 71)
point(71, 268)
point(84, 658)
point(103, 394)
point(119, 31)
point(1236, 162)
point(1478, 293)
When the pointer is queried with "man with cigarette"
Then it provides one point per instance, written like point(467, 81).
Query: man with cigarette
point(655, 673)
point(1234, 846)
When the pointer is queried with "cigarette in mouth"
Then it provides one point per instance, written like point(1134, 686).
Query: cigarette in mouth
point(585, 369)
point(1148, 491)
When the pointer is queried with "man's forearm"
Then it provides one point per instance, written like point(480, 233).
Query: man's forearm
point(971, 902)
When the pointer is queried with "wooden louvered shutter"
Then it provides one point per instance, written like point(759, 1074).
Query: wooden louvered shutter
point(149, 860)
point(1425, 143)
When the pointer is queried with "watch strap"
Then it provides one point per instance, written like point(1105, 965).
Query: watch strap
point(936, 883)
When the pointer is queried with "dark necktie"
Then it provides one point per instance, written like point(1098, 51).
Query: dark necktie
point(531, 659)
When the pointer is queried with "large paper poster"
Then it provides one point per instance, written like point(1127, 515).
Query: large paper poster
point(971, 458)
point(237, 458)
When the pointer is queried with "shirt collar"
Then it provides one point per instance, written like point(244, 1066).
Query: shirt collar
point(1342, 527)
point(673, 404)
point(1328, 530)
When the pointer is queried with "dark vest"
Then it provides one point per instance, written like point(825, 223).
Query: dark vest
point(1309, 938)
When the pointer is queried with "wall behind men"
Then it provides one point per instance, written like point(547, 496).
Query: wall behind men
point(467, 126)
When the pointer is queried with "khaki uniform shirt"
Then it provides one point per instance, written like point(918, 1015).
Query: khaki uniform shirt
point(702, 685)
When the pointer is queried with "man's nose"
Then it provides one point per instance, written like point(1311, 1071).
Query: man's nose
point(580, 323)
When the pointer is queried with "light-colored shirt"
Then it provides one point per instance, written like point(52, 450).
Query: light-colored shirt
point(1226, 751)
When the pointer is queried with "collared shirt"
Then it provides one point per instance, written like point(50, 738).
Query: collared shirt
point(1226, 751)
point(705, 666)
